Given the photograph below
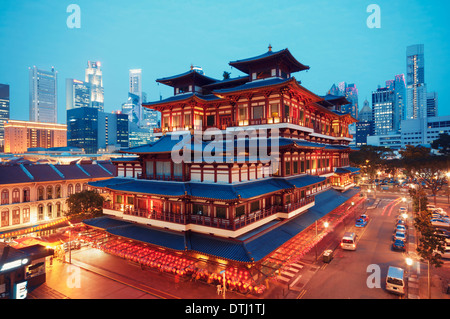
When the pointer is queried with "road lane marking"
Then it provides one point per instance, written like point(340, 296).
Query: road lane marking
point(302, 293)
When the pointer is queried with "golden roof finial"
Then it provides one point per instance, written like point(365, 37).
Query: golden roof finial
point(270, 47)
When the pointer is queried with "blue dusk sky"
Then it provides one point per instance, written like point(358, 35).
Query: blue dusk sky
point(164, 38)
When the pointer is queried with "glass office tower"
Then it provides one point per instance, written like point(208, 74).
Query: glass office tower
point(93, 76)
point(415, 82)
point(4, 112)
point(78, 94)
point(43, 95)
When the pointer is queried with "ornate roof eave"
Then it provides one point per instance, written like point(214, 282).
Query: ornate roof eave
point(285, 54)
point(190, 99)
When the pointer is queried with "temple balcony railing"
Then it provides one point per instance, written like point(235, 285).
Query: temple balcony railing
point(317, 128)
point(234, 223)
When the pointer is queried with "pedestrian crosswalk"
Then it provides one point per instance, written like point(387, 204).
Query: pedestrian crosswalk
point(289, 272)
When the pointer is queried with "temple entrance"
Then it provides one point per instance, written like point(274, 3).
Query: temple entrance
point(225, 121)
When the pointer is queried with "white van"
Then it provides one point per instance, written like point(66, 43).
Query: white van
point(348, 241)
point(395, 281)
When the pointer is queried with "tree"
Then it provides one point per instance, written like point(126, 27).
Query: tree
point(86, 204)
point(428, 169)
point(419, 199)
point(430, 244)
point(442, 144)
point(370, 159)
point(226, 75)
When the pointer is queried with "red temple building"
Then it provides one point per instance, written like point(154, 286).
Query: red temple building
point(242, 164)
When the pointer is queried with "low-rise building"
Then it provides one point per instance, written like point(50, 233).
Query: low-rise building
point(35, 194)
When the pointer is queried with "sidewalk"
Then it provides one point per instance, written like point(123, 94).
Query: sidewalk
point(117, 279)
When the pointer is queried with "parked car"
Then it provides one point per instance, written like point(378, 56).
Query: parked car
point(401, 222)
point(440, 223)
point(398, 244)
point(365, 217)
point(400, 228)
point(360, 222)
point(445, 235)
point(400, 236)
point(439, 211)
point(445, 254)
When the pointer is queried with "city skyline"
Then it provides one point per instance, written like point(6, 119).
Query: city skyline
point(201, 28)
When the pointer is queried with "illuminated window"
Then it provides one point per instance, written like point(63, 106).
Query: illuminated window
point(5, 197)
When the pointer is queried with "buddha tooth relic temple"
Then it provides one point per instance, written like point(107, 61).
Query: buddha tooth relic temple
point(242, 165)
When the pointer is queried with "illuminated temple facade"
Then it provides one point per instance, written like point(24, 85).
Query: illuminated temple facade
point(235, 157)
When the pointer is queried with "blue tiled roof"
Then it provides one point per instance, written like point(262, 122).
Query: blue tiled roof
point(211, 191)
point(105, 222)
point(305, 180)
point(159, 237)
point(182, 97)
point(219, 247)
point(173, 142)
point(258, 188)
point(245, 190)
point(253, 85)
point(151, 187)
point(242, 249)
point(330, 199)
point(164, 144)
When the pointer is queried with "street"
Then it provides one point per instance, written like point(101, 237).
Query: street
point(356, 274)
point(350, 273)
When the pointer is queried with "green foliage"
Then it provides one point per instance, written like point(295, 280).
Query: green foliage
point(419, 198)
point(442, 144)
point(371, 159)
point(226, 75)
point(86, 204)
point(430, 242)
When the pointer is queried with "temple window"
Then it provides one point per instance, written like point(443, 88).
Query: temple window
point(187, 119)
point(258, 112)
point(274, 110)
point(210, 120)
point(176, 121)
point(286, 111)
point(221, 212)
point(242, 113)
point(287, 167)
point(199, 209)
point(240, 210)
point(263, 74)
point(254, 206)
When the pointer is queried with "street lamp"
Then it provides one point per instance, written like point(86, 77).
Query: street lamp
point(448, 187)
point(409, 262)
point(70, 246)
point(325, 224)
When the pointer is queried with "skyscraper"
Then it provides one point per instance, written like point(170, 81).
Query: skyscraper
point(432, 104)
point(383, 110)
point(78, 94)
point(365, 115)
point(364, 126)
point(43, 95)
point(82, 129)
point(93, 76)
point(399, 87)
point(415, 82)
point(93, 130)
point(351, 94)
point(4, 111)
point(135, 78)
